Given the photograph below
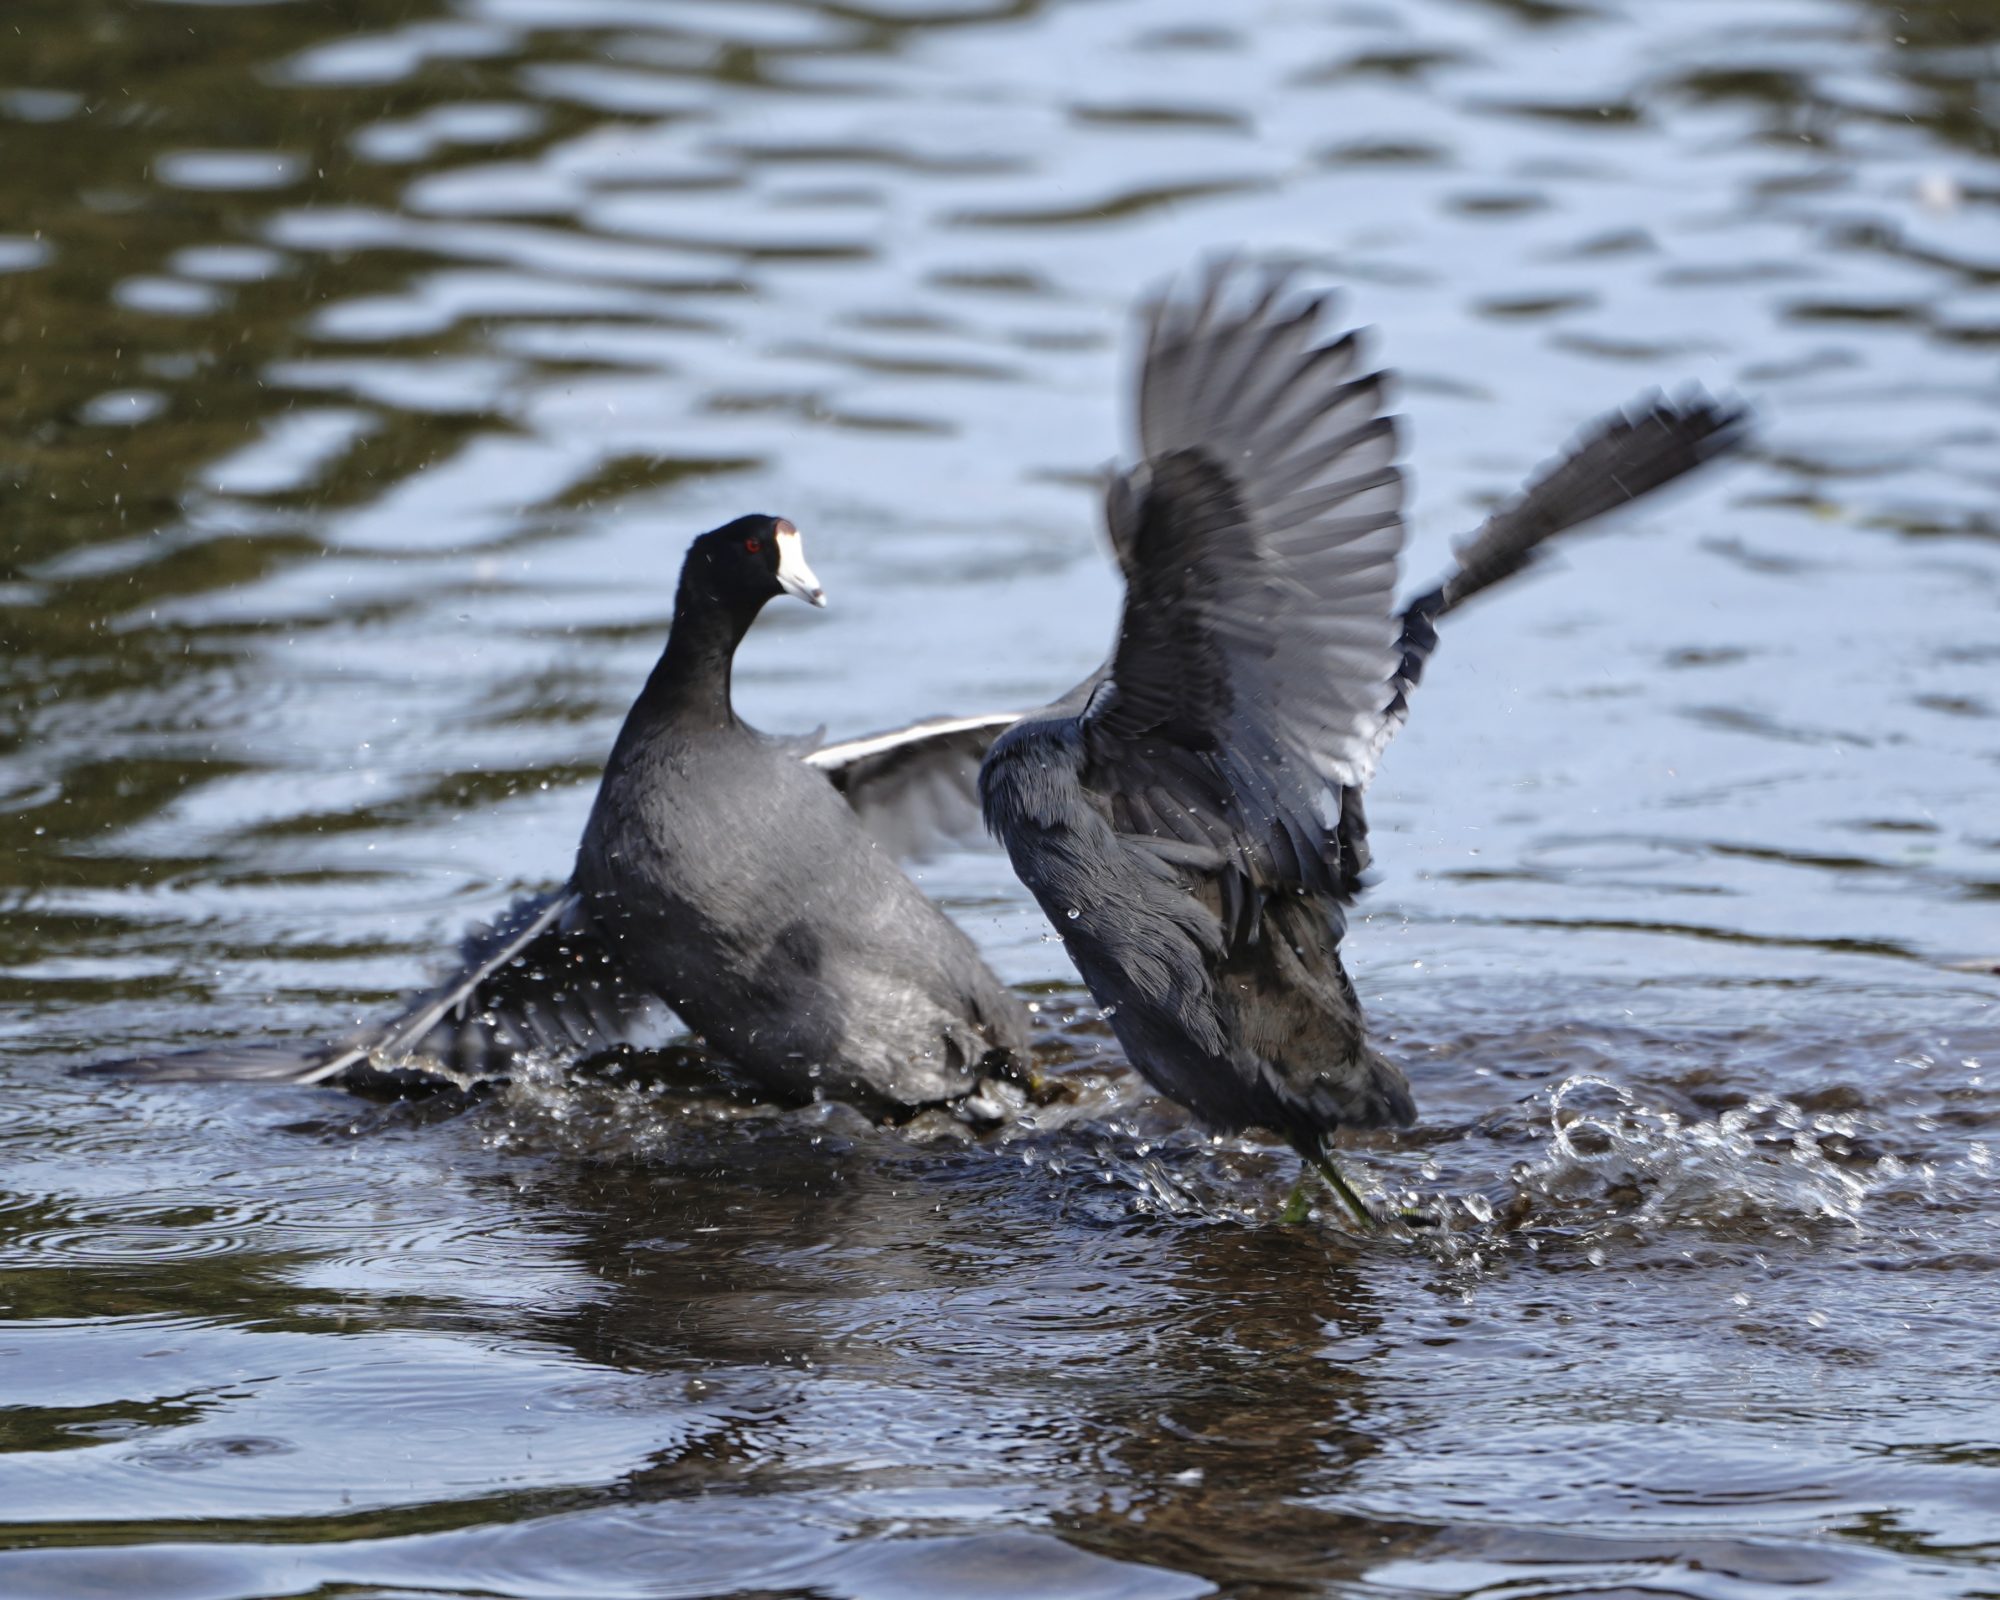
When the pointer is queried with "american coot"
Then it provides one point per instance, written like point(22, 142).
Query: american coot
point(731, 877)
point(1190, 816)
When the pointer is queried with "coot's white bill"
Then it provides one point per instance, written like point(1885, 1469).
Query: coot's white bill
point(794, 576)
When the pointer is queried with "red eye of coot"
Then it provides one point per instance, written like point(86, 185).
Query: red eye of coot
point(753, 545)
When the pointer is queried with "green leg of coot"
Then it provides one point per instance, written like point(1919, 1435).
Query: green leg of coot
point(1353, 1201)
point(1298, 1206)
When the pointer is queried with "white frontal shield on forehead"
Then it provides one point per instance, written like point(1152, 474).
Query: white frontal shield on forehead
point(794, 576)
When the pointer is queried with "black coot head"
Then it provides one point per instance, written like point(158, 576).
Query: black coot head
point(756, 558)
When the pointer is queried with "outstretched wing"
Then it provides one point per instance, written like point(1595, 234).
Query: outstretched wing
point(1616, 460)
point(915, 788)
point(1259, 536)
point(539, 978)
point(1613, 462)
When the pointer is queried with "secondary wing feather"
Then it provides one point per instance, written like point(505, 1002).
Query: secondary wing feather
point(915, 789)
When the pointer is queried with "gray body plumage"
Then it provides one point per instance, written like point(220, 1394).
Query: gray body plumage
point(733, 880)
point(1246, 1025)
point(1190, 817)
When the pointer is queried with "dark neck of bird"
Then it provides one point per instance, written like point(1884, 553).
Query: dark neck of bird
point(691, 682)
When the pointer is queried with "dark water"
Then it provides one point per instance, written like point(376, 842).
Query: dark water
point(367, 367)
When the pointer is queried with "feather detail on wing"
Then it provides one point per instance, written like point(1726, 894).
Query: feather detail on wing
point(1259, 537)
point(915, 789)
point(540, 978)
point(1619, 458)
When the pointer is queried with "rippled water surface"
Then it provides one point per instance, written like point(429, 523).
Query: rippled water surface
point(367, 368)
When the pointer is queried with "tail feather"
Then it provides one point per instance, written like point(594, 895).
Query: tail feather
point(539, 979)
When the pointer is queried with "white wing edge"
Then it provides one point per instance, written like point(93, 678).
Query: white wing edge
point(832, 757)
point(439, 1003)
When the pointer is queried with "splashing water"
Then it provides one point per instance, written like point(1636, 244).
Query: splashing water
point(371, 365)
point(1640, 1168)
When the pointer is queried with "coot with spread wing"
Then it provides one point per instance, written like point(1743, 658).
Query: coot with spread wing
point(1189, 817)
